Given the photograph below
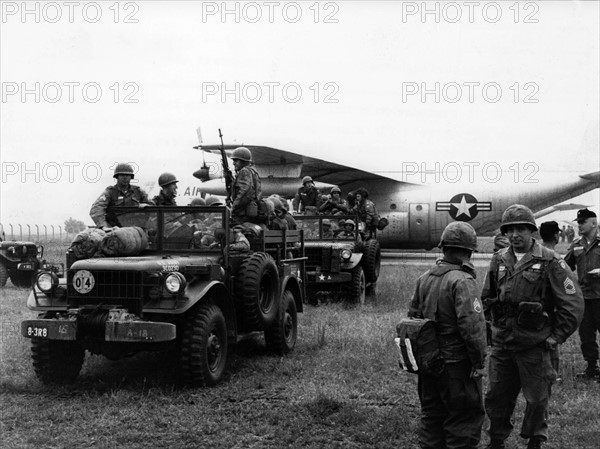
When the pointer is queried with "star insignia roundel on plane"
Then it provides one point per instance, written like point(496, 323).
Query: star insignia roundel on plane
point(463, 207)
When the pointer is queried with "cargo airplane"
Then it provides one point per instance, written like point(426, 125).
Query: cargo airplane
point(417, 213)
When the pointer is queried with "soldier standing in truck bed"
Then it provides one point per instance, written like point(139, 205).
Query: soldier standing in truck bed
point(120, 194)
point(308, 197)
point(246, 186)
point(168, 190)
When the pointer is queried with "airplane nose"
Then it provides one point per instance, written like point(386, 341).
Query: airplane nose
point(202, 174)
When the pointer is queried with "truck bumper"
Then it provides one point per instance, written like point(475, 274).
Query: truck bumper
point(123, 331)
point(328, 278)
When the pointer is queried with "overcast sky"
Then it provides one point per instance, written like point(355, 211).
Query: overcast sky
point(369, 84)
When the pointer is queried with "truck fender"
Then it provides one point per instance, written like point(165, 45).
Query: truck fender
point(216, 293)
point(291, 283)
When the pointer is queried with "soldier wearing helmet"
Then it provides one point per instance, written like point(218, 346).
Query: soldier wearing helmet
point(246, 186)
point(168, 190)
point(366, 210)
point(334, 205)
point(584, 254)
point(452, 405)
point(120, 194)
point(327, 231)
point(346, 229)
point(308, 197)
point(535, 304)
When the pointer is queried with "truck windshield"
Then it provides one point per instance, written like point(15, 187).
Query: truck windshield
point(169, 228)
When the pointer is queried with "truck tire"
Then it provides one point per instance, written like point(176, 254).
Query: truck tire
point(358, 287)
point(281, 336)
point(257, 285)
point(203, 345)
point(56, 362)
point(22, 280)
point(3, 274)
point(372, 260)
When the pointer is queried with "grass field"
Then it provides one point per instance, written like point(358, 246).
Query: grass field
point(340, 388)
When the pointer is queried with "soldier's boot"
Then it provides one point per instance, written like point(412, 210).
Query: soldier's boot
point(496, 444)
point(591, 372)
point(534, 443)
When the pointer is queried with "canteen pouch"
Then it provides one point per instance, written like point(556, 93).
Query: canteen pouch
point(531, 316)
point(418, 347)
point(252, 209)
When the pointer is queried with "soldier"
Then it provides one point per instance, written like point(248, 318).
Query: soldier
point(584, 253)
point(549, 232)
point(278, 222)
point(535, 304)
point(347, 230)
point(365, 208)
point(168, 190)
point(308, 197)
point(334, 205)
point(327, 232)
point(452, 405)
point(570, 234)
point(120, 194)
point(246, 186)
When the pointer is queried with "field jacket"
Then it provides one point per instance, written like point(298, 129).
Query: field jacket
point(540, 276)
point(459, 319)
point(114, 196)
point(586, 257)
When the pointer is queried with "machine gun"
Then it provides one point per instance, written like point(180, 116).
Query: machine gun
point(226, 171)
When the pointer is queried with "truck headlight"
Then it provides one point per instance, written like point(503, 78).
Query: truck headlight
point(346, 255)
point(175, 283)
point(46, 281)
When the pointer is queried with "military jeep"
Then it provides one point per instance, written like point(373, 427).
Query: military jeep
point(188, 291)
point(336, 262)
point(19, 261)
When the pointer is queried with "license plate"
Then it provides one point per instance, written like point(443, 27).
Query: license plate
point(38, 332)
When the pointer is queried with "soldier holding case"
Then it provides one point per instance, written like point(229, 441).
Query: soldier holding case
point(535, 304)
point(452, 404)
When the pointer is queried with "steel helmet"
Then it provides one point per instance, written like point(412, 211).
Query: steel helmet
point(336, 189)
point(326, 222)
point(349, 223)
point(459, 234)
point(123, 169)
point(342, 223)
point(306, 179)
point(198, 202)
point(242, 153)
point(517, 214)
point(213, 201)
point(166, 178)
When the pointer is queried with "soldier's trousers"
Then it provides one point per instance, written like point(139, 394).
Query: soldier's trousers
point(530, 370)
point(588, 328)
point(451, 408)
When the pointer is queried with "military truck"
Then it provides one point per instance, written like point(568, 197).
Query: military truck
point(337, 261)
point(189, 291)
point(19, 261)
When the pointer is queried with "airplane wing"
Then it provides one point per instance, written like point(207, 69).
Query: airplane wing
point(559, 208)
point(318, 169)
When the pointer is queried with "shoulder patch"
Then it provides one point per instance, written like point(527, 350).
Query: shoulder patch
point(569, 287)
point(562, 264)
point(477, 305)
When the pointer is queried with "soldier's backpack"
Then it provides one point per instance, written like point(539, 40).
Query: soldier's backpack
point(418, 347)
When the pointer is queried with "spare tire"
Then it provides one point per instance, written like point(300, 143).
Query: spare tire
point(257, 287)
point(372, 260)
